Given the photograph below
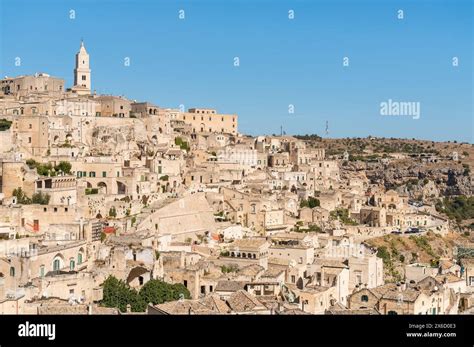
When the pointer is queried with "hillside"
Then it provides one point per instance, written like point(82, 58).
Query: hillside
point(400, 250)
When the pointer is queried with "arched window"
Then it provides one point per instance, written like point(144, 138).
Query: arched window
point(364, 298)
point(56, 264)
point(12, 271)
point(72, 264)
point(79, 259)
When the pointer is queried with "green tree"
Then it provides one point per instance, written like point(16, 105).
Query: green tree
point(116, 293)
point(158, 292)
point(182, 144)
point(31, 163)
point(383, 253)
point(21, 197)
point(40, 198)
point(311, 202)
point(64, 166)
point(5, 124)
point(343, 215)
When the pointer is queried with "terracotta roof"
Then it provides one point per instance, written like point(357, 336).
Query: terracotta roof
point(242, 301)
point(251, 270)
point(230, 286)
point(215, 303)
point(273, 272)
point(109, 230)
point(446, 264)
point(449, 278)
point(184, 307)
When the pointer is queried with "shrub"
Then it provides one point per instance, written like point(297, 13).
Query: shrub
point(311, 202)
point(5, 124)
point(343, 215)
point(21, 197)
point(40, 198)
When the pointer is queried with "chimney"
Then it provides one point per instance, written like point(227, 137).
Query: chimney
point(403, 286)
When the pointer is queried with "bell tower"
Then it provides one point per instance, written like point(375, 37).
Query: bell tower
point(82, 72)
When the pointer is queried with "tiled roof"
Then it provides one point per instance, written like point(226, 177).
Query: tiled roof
point(230, 286)
point(242, 301)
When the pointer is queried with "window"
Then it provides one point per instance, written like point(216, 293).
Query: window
point(72, 264)
point(92, 174)
point(293, 278)
point(79, 259)
point(56, 265)
point(364, 298)
point(29, 139)
point(12, 271)
point(104, 174)
point(55, 209)
point(253, 208)
point(42, 271)
point(83, 77)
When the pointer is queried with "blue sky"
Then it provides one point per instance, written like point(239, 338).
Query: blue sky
point(282, 61)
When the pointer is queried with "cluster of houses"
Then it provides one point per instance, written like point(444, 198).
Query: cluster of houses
point(93, 186)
